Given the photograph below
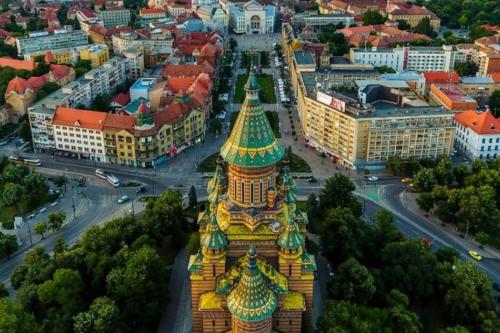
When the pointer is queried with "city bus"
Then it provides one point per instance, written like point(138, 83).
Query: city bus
point(113, 180)
point(16, 159)
point(32, 161)
point(101, 174)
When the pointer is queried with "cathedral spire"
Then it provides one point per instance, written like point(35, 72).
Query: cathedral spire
point(290, 238)
point(252, 142)
point(214, 239)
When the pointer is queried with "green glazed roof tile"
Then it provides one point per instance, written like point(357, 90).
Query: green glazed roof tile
point(290, 238)
point(214, 238)
point(251, 299)
point(252, 142)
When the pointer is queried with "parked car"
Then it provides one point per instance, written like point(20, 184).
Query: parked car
point(141, 189)
point(406, 180)
point(42, 210)
point(123, 199)
point(373, 178)
point(312, 180)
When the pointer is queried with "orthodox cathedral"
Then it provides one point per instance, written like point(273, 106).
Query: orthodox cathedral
point(252, 272)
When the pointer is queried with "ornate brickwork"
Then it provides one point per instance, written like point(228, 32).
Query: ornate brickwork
point(252, 273)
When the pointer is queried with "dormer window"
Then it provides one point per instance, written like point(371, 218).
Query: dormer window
point(77, 123)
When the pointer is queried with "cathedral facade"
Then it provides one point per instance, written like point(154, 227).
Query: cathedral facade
point(252, 272)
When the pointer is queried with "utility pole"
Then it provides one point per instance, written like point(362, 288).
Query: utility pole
point(73, 206)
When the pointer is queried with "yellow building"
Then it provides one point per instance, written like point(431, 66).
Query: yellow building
point(97, 54)
point(365, 136)
point(252, 272)
point(412, 14)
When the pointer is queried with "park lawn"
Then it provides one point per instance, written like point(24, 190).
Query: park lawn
point(297, 165)
point(272, 117)
point(7, 129)
point(266, 83)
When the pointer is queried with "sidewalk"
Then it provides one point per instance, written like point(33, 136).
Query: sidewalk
point(408, 200)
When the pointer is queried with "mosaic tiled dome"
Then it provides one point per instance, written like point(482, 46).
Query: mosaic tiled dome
point(252, 142)
point(251, 299)
point(214, 238)
point(290, 238)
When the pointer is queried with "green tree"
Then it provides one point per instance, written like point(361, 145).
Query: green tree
point(60, 181)
point(443, 172)
point(425, 201)
point(56, 220)
point(494, 103)
point(41, 69)
point(338, 193)
point(352, 282)
point(340, 223)
point(102, 317)
point(193, 200)
point(193, 243)
point(101, 103)
point(385, 69)
point(403, 320)
point(403, 25)
point(424, 27)
point(14, 320)
point(462, 21)
point(455, 329)
point(425, 179)
point(466, 68)
point(8, 245)
point(233, 44)
point(371, 17)
point(12, 194)
point(468, 302)
point(215, 126)
point(408, 266)
point(41, 228)
point(3, 291)
point(24, 130)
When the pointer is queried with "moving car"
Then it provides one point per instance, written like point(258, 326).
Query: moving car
point(123, 199)
point(406, 180)
point(373, 178)
point(475, 255)
point(141, 189)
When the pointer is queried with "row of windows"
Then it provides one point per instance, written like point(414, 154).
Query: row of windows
point(83, 142)
point(74, 148)
point(76, 129)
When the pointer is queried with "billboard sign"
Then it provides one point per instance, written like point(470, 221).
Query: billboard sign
point(331, 101)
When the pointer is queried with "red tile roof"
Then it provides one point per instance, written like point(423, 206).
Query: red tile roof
point(59, 71)
point(19, 85)
point(121, 99)
point(79, 118)
point(17, 64)
point(154, 10)
point(187, 70)
point(172, 114)
point(479, 122)
point(441, 77)
point(49, 57)
point(176, 83)
point(495, 77)
point(37, 82)
point(117, 122)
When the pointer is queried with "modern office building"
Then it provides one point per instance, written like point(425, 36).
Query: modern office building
point(49, 41)
point(317, 20)
point(477, 135)
point(114, 17)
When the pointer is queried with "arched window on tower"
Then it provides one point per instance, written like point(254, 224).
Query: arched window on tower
point(242, 191)
point(251, 192)
point(268, 182)
point(261, 194)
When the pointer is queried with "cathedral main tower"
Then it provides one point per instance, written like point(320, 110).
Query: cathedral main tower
point(252, 272)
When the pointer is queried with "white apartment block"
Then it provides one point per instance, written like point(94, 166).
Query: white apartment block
point(125, 40)
point(477, 135)
point(413, 58)
point(114, 17)
point(45, 41)
point(79, 93)
point(87, 143)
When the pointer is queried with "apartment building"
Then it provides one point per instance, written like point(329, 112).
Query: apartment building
point(154, 38)
point(80, 132)
point(237, 20)
point(81, 92)
point(97, 54)
point(60, 56)
point(114, 17)
point(414, 58)
point(361, 135)
point(322, 20)
point(152, 14)
point(45, 41)
point(478, 85)
point(477, 135)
